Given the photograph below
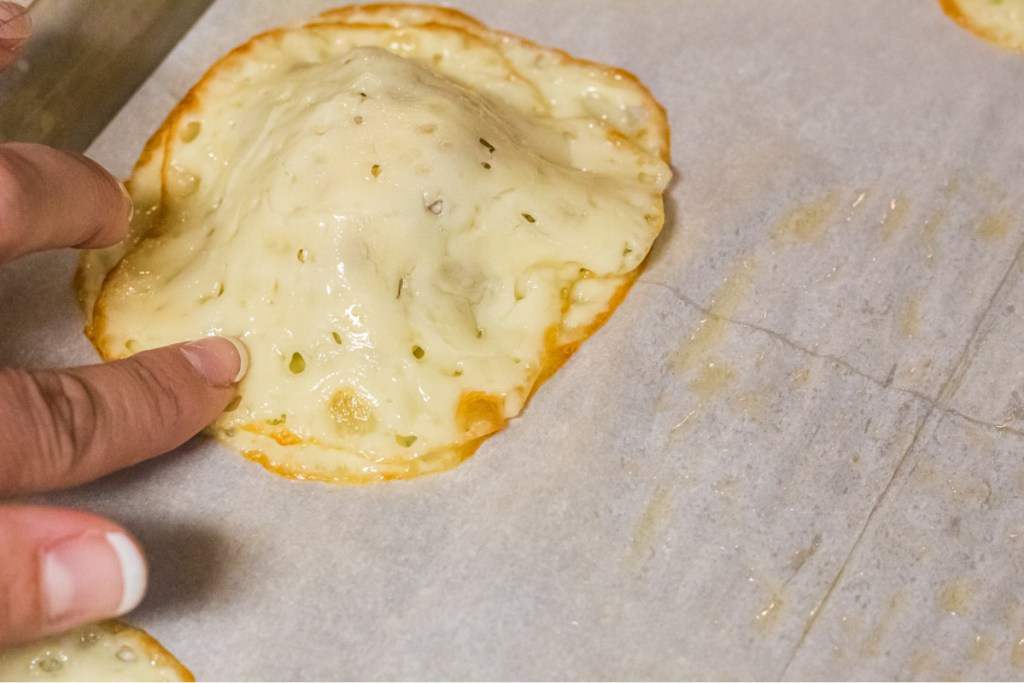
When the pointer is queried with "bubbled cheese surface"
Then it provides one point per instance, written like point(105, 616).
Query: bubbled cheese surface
point(409, 219)
point(107, 651)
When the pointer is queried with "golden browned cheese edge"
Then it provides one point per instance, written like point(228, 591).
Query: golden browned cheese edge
point(459, 20)
point(93, 329)
point(555, 357)
point(443, 15)
point(153, 646)
point(954, 12)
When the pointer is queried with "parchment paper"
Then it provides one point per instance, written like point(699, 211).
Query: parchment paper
point(794, 452)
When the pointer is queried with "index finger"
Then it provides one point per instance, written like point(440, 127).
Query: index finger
point(50, 199)
point(65, 428)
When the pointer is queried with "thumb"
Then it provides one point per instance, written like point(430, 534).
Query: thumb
point(62, 568)
point(63, 428)
point(15, 27)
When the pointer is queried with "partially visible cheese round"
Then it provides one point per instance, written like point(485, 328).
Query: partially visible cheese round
point(107, 651)
point(999, 21)
point(410, 223)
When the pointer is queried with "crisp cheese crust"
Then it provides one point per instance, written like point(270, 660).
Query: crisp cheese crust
point(411, 220)
point(106, 651)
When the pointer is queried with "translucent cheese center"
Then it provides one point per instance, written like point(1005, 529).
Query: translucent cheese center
point(387, 243)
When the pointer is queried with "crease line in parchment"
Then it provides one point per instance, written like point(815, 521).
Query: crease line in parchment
point(887, 383)
point(946, 392)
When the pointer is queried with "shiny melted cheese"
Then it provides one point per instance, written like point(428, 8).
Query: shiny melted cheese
point(404, 228)
point(108, 651)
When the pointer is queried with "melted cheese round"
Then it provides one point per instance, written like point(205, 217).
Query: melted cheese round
point(410, 224)
point(998, 21)
point(107, 651)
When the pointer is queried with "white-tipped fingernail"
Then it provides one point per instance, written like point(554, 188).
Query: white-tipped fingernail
point(214, 361)
point(243, 358)
point(133, 571)
point(92, 576)
point(129, 202)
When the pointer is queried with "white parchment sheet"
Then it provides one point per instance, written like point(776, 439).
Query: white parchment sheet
point(796, 450)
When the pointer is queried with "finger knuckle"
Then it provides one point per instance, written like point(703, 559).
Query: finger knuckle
point(165, 396)
point(55, 425)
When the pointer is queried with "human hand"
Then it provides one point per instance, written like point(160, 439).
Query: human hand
point(59, 567)
point(15, 27)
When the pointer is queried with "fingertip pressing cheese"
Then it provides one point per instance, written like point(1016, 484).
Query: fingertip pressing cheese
point(106, 651)
point(998, 21)
point(410, 219)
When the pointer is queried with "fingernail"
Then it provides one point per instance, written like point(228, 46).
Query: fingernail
point(93, 576)
point(129, 202)
point(222, 361)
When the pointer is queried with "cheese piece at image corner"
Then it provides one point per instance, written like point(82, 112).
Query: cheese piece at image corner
point(409, 226)
point(997, 21)
point(105, 651)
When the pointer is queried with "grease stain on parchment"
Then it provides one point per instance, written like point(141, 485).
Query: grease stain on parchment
point(1017, 654)
point(954, 598)
point(800, 378)
point(800, 557)
point(807, 222)
point(883, 626)
point(923, 666)
point(895, 216)
point(981, 648)
point(711, 330)
point(993, 227)
point(767, 617)
point(930, 233)
point(713, 378)
point(922, 661)
point(755, 404)
point(651, 520)
point(910, 317)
